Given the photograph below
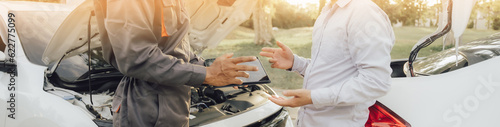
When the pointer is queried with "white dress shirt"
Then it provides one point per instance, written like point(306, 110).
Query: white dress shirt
point(349, 66)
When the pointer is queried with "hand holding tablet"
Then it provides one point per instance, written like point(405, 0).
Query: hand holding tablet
point(255, 77)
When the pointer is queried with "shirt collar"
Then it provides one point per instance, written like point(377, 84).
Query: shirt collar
point(342, 3)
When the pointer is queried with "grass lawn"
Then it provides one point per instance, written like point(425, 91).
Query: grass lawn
point(240, 42)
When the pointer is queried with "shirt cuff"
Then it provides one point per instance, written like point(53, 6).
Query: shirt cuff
point(197, 76)
point(298, 63)
point(323, 97)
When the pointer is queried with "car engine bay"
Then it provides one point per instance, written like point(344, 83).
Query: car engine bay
point(208, 103)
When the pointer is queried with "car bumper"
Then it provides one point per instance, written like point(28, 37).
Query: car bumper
point(268, 114)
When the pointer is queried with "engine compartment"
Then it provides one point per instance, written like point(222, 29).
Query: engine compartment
point(70, 81)
point(208, 103)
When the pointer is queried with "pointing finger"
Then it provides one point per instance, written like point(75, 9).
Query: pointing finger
point(282, 46)
point(271, 50)
point(266, 54)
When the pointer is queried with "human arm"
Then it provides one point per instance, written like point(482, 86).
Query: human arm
point(135, 52)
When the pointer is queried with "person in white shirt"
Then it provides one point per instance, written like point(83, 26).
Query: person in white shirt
point(349, 66)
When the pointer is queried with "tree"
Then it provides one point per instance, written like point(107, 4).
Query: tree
point(491, 8)
point(434, 12)
point(262, 23)
point(389, 9)
point(496, 24)
point(422, 12)
point(410, 11)
point(286, 16)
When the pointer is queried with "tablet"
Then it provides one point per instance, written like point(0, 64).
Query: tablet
point(256, 77)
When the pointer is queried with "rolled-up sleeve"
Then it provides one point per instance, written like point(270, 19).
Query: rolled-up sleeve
point(135, 50)
point(369, 43)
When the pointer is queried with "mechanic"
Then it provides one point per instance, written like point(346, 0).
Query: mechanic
point(148, 43)
point(349, 66)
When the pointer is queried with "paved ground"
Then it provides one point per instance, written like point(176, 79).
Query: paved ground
point(293, 111)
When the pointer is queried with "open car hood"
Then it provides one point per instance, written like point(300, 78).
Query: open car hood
point(72, 35)
point(211, 22)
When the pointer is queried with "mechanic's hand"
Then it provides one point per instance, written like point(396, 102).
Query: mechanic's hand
point(224, 70)
point(281, 58)
point(301, 97)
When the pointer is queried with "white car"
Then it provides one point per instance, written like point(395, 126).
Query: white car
point(34, 94)
point(458, 87)
point(446, 95)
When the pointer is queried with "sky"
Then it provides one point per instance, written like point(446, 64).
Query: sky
point(430, 2)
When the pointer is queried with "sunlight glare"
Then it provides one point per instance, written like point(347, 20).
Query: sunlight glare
point(431, 2)
point(302, 2)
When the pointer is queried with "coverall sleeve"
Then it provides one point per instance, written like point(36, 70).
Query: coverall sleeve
point(135, 47)
point(370, 41)
point(196, 60)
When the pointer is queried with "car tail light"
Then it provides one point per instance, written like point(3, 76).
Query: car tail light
point(381, 116)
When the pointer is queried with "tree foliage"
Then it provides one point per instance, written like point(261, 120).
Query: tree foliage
point(287, 15)
point(491, 10)
point(496, 24)
point(408, 12)
point(418, 12)
point(389, 9)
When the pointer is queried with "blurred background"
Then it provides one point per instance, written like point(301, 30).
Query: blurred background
point(291, 21)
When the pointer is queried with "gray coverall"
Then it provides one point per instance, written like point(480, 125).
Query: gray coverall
point(159, 71)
